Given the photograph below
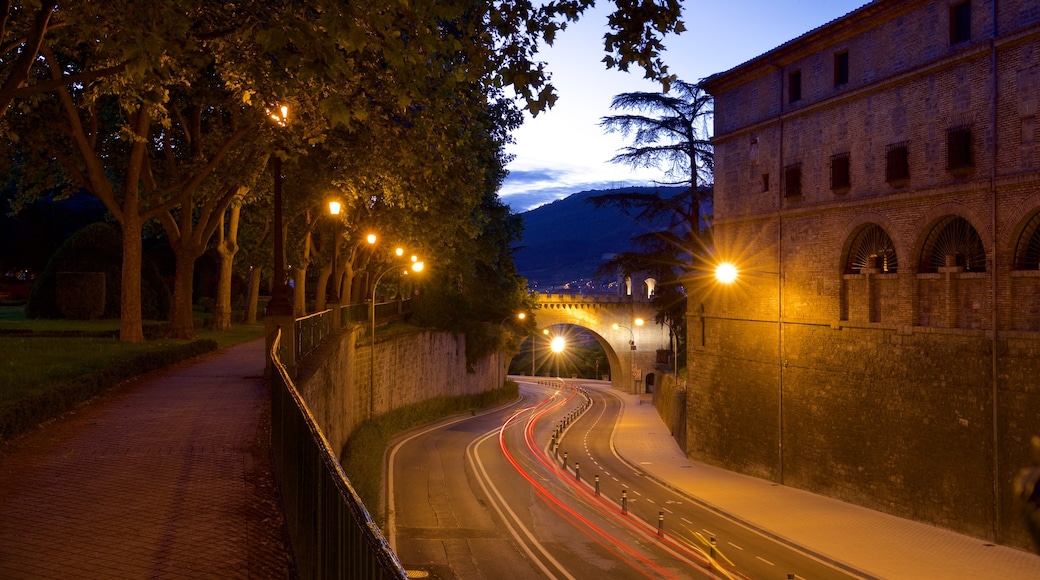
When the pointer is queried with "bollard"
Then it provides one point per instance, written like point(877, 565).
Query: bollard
point(624, 501)
point(712, 552)
point(660, 523)
point(790, 577)
point(565, 460)
point(577, 471)
point(597, 484)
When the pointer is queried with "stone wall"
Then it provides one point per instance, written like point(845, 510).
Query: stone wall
point(882, 343)
point(410, 368)
point(902, 422)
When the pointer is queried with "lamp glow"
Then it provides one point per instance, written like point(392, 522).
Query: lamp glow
point(558, 344)
point(371, 238)
point(726, 273)
point(334, 207)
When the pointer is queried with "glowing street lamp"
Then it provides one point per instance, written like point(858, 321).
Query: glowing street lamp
point(557, 345)
point(518, 316)
point(632, 347)
point(334, 209)
point(416, 266)
point(726, 273)
point(279, 305)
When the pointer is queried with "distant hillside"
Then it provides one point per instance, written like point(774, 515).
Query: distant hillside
point(565, 241)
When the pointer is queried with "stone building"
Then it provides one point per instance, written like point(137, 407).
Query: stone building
point(877, 184)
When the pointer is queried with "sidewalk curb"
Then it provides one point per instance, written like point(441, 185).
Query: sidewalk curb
point(719, 511)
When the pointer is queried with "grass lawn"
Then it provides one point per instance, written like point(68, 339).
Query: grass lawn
point(31, 365)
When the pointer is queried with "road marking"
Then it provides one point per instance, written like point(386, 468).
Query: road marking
point(735, 546)
point(485, 481)
point(764, 560)
point(686, 520)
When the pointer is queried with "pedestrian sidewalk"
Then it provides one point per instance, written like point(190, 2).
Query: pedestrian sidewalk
point(852, 537)
point(167, 476)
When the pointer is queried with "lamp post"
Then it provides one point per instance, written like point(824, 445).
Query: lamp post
point(534, 339)
point(417, 266)
point(519, 316)
point(558, 344)
point(334, 209)
point(727, 273)
point(279, 304)
point(632, 347)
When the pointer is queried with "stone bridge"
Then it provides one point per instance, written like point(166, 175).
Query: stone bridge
point(634, 368)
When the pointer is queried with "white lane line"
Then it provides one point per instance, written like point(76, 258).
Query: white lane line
point(735, 546)
point(764, 560)
point(485, 482)
point(686, 520)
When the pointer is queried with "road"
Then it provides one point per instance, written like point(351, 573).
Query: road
point(494, 496)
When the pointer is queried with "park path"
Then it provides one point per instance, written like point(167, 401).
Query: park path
point(166, 476)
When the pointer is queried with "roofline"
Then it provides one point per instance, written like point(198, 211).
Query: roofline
point(784, 53)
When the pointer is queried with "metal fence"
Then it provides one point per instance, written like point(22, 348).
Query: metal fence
point(331, 532)
point(311, 330)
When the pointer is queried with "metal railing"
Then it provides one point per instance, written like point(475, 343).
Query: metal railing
point(331, 533)
point(311, 330)
point(314, 328)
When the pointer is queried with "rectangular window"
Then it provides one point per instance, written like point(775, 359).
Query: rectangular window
point(765, 182)
point(960, 22)
point(793, 180)
point(794, 86)
point(958, 148)
point(840, 178)
point(897, 163)
point(841, 68)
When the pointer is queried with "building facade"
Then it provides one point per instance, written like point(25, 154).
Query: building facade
point(877, 185)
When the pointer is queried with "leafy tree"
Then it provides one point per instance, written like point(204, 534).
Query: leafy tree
point(147, 104)
point(669, 131)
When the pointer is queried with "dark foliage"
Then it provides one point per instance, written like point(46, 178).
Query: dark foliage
point(97, 248)
point(31, 411)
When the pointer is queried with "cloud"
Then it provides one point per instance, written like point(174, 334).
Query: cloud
point(526, 199)
point(518, 178)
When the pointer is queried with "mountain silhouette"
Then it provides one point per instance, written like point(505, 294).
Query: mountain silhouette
point(566, 240)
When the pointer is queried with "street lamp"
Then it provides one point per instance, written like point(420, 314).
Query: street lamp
point(632, 347)
point(334, 209)
point(557, 345)
point(279, 304)
point(545, 331)
point(519, 316)
point(726, 273)
point(417, 266)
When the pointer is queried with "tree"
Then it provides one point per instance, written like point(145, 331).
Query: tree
point(144, 104)
point(670, 132)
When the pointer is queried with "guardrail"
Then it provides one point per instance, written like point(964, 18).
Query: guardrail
point(311, 330)
point(331, 533)
point(314, 328)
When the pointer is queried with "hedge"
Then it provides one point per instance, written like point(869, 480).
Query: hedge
point(31, 411)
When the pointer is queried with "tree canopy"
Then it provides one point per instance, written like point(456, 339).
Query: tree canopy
point(162, 110)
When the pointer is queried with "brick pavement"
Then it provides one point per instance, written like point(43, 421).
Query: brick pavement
point(166, 476)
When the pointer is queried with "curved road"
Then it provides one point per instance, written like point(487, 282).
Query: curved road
point(493, 496)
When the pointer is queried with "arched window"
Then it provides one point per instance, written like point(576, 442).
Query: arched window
point(872, 248)
point(953, 242)
point(1027, 250)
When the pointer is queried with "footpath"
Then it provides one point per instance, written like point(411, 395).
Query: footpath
point(165, 476)
point(851, 537)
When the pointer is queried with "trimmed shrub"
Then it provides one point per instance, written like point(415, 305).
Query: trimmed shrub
point(31, 411)
point(98, 248)
point(81, 295)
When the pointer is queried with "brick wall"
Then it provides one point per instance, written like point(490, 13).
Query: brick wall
point(911, 390)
